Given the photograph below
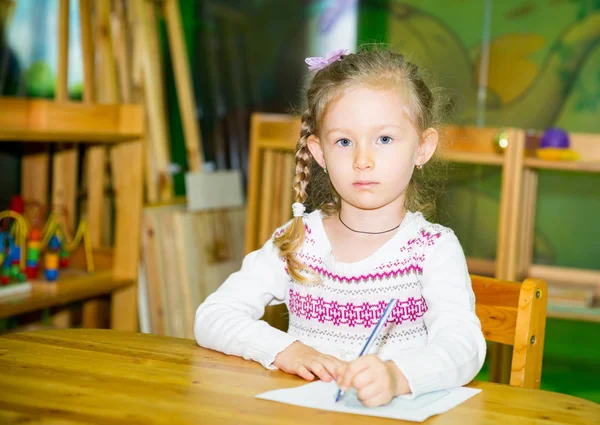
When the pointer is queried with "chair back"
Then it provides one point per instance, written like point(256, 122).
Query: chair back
point(514, 313)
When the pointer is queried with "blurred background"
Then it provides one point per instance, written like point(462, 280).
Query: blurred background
point(531, 64)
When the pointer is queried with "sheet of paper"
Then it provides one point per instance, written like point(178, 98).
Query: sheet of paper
point(321, 395)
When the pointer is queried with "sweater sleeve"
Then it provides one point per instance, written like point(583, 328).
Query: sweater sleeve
point(228, 320)
point(455, 348)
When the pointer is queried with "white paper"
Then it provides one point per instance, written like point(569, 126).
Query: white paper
point(321, 395)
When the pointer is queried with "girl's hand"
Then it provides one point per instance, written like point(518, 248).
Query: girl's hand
point(306, 362)
point(376, 381)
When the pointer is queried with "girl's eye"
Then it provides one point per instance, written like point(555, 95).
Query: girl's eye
point(344, 142)
point(385, 140)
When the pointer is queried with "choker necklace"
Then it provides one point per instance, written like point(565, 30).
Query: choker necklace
point(367, 233)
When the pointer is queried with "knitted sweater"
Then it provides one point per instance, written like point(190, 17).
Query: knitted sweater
point(432, 334)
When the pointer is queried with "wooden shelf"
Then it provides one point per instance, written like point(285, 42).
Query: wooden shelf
point(474, 158)
point(585, 314)
point(586, 166)
point(565, 275)
point(43, 120)
point(68, 289)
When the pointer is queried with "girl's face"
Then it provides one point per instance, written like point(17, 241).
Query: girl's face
point(371, 147)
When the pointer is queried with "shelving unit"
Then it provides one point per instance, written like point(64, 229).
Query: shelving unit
point(588, 147)
point(473, 145)
point(120, 128)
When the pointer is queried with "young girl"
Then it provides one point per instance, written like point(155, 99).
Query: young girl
point(370, 127)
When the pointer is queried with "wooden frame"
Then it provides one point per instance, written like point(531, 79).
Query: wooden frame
point(588, 147)
point(475, 146)
point(514, 313)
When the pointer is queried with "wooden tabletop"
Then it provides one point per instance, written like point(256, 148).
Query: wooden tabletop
point(103, 376)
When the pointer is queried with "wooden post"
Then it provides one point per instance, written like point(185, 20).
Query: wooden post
point(153, 85)
point(508, 238)
point(127, 165)
point(64, 161)
point(183, 82)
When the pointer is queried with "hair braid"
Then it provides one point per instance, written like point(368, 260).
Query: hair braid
point(291, 240)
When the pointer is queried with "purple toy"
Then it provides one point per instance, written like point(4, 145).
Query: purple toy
point(555, 138)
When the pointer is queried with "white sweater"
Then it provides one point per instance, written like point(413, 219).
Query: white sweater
point(433, 334)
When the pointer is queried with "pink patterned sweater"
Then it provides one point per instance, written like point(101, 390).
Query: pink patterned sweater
point(433, 334)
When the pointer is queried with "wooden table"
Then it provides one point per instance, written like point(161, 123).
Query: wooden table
point(104, 376)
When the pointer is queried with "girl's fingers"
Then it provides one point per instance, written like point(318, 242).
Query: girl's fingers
point(334, 368)
point(379, 399)
point(318, 369)
point(368, 392)
point(352, 370)
point(304, 373)
point(364, 379)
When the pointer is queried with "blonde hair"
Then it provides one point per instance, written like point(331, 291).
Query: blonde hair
point(378, 68)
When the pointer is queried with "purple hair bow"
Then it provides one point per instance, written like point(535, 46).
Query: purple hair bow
point(317, 63)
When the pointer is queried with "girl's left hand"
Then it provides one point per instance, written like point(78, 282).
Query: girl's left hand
point(376, 381)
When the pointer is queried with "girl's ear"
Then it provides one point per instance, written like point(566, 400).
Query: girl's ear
point(315, 148)
point(428, 146)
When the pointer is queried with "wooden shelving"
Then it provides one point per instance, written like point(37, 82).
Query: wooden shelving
point(50, 121)
point(68, 289)
point(588, 148)
point(582, 166)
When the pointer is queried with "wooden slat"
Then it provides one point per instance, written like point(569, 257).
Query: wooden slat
point(62, 69)
point(183, 83)
point(565, 275)
point(126, 165)
point(287, 192)
point(122, 48)
point(526, 368)
point(584, 166)
point(49, 121)
point(151, 260)
point(87, 49)
point(510, 202)
point(265, 226)
point(155, 102)
point(474, 158)
point(494, 292)
point(66, 291)
point(95, 161)
point(109, 88)
point(64, 186)
point(497, 323)
point(253, 191)
point(527, 222)
point(35, 169)
point(278, 181)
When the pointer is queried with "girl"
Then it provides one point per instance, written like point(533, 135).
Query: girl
point(370, 127)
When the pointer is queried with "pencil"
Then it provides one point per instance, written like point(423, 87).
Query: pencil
point(374, 334)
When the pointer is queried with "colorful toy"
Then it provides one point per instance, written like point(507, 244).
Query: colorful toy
point(18, 238)
point(554, 146)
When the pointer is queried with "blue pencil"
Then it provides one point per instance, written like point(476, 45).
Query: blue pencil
point(374, 334)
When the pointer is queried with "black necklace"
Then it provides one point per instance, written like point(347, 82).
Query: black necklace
point(367, 233)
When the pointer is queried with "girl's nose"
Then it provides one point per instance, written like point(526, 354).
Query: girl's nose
point(363, 159)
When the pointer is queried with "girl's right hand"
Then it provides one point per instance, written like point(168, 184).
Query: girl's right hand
point(306, 362)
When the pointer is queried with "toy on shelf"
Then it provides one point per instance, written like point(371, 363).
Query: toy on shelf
point(22, 246)
point(554, 146)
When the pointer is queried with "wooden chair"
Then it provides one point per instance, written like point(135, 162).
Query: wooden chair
point(273, 139)
point(514, 313)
